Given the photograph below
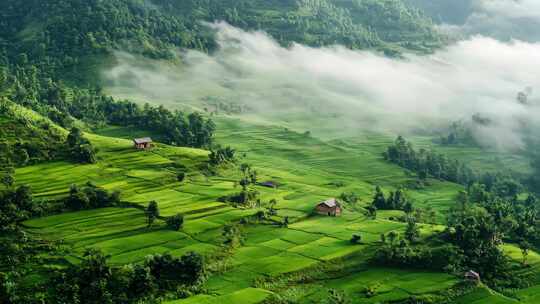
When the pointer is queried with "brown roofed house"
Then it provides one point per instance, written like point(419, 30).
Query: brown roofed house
point(142, 143)
point(330, 207)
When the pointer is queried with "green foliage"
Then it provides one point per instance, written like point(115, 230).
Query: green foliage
point(402, 254)
point(356, 238)
point(94, 281)
point(7, 179)
point(428, 163)
point(337, 297)
point(90, 197)
point(233, 236)
point(170, 271)
point(152, 212)
point(349, 197)
point(477, 235)
point(458, 134)
point(175, 222)
point(16, 205)
point(396, 201)
point(221, 155)
point(411, 232)
point(80, 149)
point(26, 140)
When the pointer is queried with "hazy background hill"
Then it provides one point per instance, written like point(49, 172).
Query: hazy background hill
point(445, 11)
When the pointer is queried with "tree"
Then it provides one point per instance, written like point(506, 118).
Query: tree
point(408, 207)
point(356, 238)
point(379, 200)
point(152, 212)
point(245, 168)
point(221, 155)
point(169, 271)
point(411, 232)
point(8, 180)
point(232, 235)
point(524, 246)
point(141, 282)
point(336, 297)
point(285, 222)
point(77, 199)
point(86, 154)
point(75, 138)
point(193, 268)
point(80, 148)
point(175, 222)
point(92, 277)
point(372, 211)
point(392, 236)
point(180, 176)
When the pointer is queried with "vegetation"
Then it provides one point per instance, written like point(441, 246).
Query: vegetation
point(178, 234)
point(90, 197)
point(93, 281)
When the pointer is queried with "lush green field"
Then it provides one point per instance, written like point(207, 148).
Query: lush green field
point(308, 170)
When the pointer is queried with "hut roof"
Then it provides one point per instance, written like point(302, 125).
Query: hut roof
point(143, 140)
point(331, 203)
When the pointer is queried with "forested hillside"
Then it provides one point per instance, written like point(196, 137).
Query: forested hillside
point(51, 52)
point(221, 205)
point(445, 11)
point(60, 36)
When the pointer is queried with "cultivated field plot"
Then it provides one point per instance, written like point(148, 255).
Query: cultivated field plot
point(308, 171)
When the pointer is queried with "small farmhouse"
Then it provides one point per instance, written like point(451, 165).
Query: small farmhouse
point(330, 207)
point(142, 143)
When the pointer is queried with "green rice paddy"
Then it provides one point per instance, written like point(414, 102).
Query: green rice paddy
point(308, 170)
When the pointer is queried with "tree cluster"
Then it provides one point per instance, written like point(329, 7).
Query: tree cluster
point(249, 196)
point(16, 205)
point(397, 200)
point(428, 163)
point(90, 197)
point(221, 155)
point(95, 282)
point(25, 141)
point(80, 149)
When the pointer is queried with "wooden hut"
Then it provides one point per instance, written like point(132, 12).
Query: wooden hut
point(142, 143)
point(330, 207)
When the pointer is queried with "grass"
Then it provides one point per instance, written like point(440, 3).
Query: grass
point(308, 170)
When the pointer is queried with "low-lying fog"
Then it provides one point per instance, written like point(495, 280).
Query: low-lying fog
point(359, 90)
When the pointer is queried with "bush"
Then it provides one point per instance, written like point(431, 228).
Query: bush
point(356, 239)
point(175, 222)
point(90, 197)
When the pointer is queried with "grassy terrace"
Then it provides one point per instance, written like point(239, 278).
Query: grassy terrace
point(308, 169)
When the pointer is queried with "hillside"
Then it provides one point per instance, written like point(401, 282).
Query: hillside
point(444, 11)
point(271, 176)
point(81, 30)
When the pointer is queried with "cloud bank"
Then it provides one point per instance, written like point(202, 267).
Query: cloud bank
point(353, 91)
point(502, 19)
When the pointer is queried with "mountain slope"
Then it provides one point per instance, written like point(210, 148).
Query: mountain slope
point(59, 36)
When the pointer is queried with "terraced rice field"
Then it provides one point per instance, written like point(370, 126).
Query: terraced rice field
point(308, 170)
